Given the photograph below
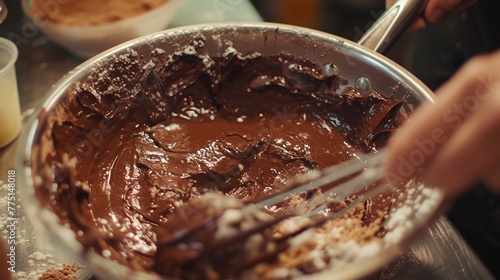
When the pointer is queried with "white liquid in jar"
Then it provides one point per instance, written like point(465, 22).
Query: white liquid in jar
point(10, 113)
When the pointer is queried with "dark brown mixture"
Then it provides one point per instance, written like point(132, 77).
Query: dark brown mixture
point(136, 140)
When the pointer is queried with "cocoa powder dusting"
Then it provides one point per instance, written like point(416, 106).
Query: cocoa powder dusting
point(67, 272)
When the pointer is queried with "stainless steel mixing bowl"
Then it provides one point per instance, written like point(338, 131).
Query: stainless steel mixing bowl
point(362, 67)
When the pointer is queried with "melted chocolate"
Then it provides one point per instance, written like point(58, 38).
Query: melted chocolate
point(136, 140)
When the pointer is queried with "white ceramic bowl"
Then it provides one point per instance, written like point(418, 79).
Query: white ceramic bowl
point(86, 41)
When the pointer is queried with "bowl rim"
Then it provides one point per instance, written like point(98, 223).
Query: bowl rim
point(102, 265)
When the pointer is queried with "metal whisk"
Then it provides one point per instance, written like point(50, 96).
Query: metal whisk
point(356, 180)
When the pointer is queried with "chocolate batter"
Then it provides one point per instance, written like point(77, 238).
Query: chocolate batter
point(138, 139)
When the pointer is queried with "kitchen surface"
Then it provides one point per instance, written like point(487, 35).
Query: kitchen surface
point(442, 252)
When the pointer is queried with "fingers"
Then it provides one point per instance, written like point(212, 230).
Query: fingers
point(470, 152)
point(437, 9)
point(419, 23)
point(457, 139)
point(431, 125)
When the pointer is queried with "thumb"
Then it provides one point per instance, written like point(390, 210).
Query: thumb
point(437, 9)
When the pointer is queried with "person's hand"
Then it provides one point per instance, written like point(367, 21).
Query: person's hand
point(436, 10)
point(456, 141)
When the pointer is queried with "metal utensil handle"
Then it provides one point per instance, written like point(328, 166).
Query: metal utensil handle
point(391, 24)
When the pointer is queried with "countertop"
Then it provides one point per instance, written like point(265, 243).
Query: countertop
point(440, 253)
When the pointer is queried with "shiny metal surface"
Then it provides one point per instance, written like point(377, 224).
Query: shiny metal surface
point(439, 254)
point(391, 24)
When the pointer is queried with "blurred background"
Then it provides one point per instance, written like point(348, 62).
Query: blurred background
point(433, 55)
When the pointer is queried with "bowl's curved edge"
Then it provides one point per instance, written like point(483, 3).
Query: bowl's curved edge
point(56, 93)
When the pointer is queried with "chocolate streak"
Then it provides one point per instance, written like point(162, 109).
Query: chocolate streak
point(137, 139)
